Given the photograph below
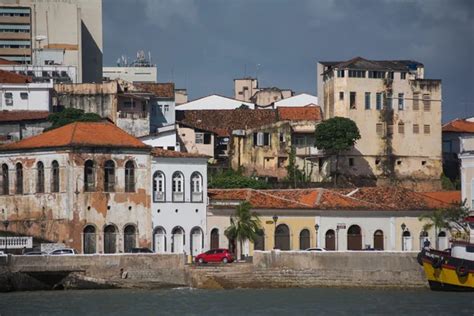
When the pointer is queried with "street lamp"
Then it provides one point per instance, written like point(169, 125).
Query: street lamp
point(403, 226)
point(6, 223)
point(316, 228)
point(275, 219)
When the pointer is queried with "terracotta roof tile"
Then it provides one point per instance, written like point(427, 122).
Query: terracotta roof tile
point(4, 61)
point(161, 90)
point(158, 152)
point(306, 113)
point(80, 134)
point(459, 126)
point(16, 116)
point(450, 197)
point(11, 77)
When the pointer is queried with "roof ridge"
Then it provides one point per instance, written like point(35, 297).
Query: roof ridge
point(359, 200)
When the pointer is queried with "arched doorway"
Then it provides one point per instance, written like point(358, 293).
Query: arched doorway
point(423, 237)
point(442, 240)
point(159, 240)
point(197, 241)
point(354, 238)
point(110, 239)
point(304, 239)
point(259, 242)
point(378, 240)
point(282, 237)
point(177, 240)
point(129, 238)
point(407, 244)
point(89, 239)
point(215, 238)
point(330, 240)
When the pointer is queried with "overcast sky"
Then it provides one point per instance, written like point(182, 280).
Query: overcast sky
point(203, 45)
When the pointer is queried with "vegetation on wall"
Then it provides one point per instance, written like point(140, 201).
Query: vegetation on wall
point(70, 115)
point(294, 174)
point(231, 179)
point(335, 136)
point(449, 184)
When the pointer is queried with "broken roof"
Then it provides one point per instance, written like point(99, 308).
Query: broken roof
point(306, 113)
point(79, 134)
point(161, 90)
point(19, 116)
point(163, 153)
point(11, 77)
point(365, 64)
point(378, 198)
point(459, 126)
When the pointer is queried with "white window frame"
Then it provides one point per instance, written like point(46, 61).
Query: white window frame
point(159, 188)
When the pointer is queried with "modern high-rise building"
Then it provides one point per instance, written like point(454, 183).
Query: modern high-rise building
point(54, 32)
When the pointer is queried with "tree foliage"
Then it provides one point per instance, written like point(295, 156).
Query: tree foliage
point(70, 115)
point(244, 225)
point(294, 174)
point(231, 179)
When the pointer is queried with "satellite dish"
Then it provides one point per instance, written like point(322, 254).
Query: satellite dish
point(40, 38)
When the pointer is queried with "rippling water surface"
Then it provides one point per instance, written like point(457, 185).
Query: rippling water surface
point(317, 301)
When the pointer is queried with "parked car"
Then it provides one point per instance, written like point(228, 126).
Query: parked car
point(63, 251)
point(35, 253)
point(215, 255)
point(315, 249)
point(141, 250)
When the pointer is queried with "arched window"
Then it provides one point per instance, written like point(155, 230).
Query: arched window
point(39, 177)
point(19, 179)
point(129, 236)
point(159, 187)
point(5, 180)
point(304, 239)
point(55, 176)
point(177, 240)
point(109, 176)
point(90, 239)
point(159, 240)
point(110, 239)
point(197, 241)
point(330, 240)
point(259, 242)
point(378, 240)
point(215, 238)
point(282, 237)
point(89, 176)
point(407, 244)
point(423, 237)
point(354, 238)
point(196, 187)
point(178, 187)
point(129, 176)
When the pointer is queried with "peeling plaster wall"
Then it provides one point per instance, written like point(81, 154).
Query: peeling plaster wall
point(134, 124)
point(187, 137)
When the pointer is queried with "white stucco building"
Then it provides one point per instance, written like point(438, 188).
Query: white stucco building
point(302, 99)
point(467, 170)
point(25, 96)
point(179, 200)
point(214, 102)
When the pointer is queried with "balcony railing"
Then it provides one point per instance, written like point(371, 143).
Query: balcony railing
point(16, 242)
point(158, 196)
point(178, 196)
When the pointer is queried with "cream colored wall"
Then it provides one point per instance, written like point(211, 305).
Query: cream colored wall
point(415, 227)
point(467, 180)
point(188, 138)
point(239, 85)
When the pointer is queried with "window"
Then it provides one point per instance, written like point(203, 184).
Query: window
point(367, 100)
point(89, 176)
point(388, 101)
point(129, 176)
point(390, 129)
point(39, 177)
point(341, 95)
point(403, 75)
point(378, 101)
point(8, 98)
point(109, 176)
point(377, 74)
point(426, 129)
point(351, 162)
point(5, 180)
point(379, 129)
point(19, 179)
point(426, 102)
point(129, 104)
point(261, 139)
point(390, 75)
point(159, 187)
point(401, 128)
point(300, 141)
point(55, 176)
point(203, 138)
point(416, 101)
point(340, 73)
point(196, 187)
point(24, 95)
point(167, 108)
point(416, 129)
point(357, 73)
point(401, 104)
point(199, 138)
point(178, 187)
point(352, 100)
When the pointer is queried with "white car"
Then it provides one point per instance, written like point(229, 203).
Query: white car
point(315, 249)
point(63, 251)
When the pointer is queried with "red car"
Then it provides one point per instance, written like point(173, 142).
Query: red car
point(215, 255)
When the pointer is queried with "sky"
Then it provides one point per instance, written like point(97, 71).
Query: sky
point(203, 45)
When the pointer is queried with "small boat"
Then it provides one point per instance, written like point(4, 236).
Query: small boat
point(453, 269)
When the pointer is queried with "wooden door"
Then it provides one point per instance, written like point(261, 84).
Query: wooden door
point(330, 240)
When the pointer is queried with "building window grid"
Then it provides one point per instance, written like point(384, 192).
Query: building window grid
point(5, 180)
point(367, 100)
point(416, 129)
point(401, 128)
point(89, 176)
point(55, 176)
point(40, 177)
point(129, 176)
point(427, 129)
point(19, 179)
point(196, 187)
point(159, 187)
point(352, 100)
point(357, 73)
point(401, 102)
point(109, 176)
point(416, 101)
point(178, 187)
point(378, 101)
point(426, 102)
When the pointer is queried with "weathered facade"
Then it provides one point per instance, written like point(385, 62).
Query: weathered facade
point(16, 125)
point(467, 170)
point(84, 184)
point(398, 114)
point(452, 133)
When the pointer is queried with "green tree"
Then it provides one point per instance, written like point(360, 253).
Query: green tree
point(336, 136)
point(70, 115)
point(244, 225)
point(294, 174)
point(231, 179)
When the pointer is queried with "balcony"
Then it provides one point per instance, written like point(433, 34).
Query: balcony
point(308, 151)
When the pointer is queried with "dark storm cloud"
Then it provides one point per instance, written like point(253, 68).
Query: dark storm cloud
point(203, 45)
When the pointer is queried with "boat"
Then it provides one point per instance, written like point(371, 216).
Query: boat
point(451, 269)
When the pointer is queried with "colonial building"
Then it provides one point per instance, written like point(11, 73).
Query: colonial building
point(398, 113)
point(247, 90)
point(452, 133)
point(179, 201)
point(467, 170)
point(376, 218)
point(84, 184)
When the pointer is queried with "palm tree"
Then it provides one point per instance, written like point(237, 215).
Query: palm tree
point(243, 225)
point(436, 219)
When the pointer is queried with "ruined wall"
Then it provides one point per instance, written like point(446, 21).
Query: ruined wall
point(134, 123)
point(187, 137)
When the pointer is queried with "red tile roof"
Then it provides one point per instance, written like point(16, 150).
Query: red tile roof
point(4, 61)
point(11, 77)
point(80, 134)
point(17, 116)
point(163, 153)
point(161, 90)
point(450, 197)
point(381, 199)
point(306, 113)
point(459, 126)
